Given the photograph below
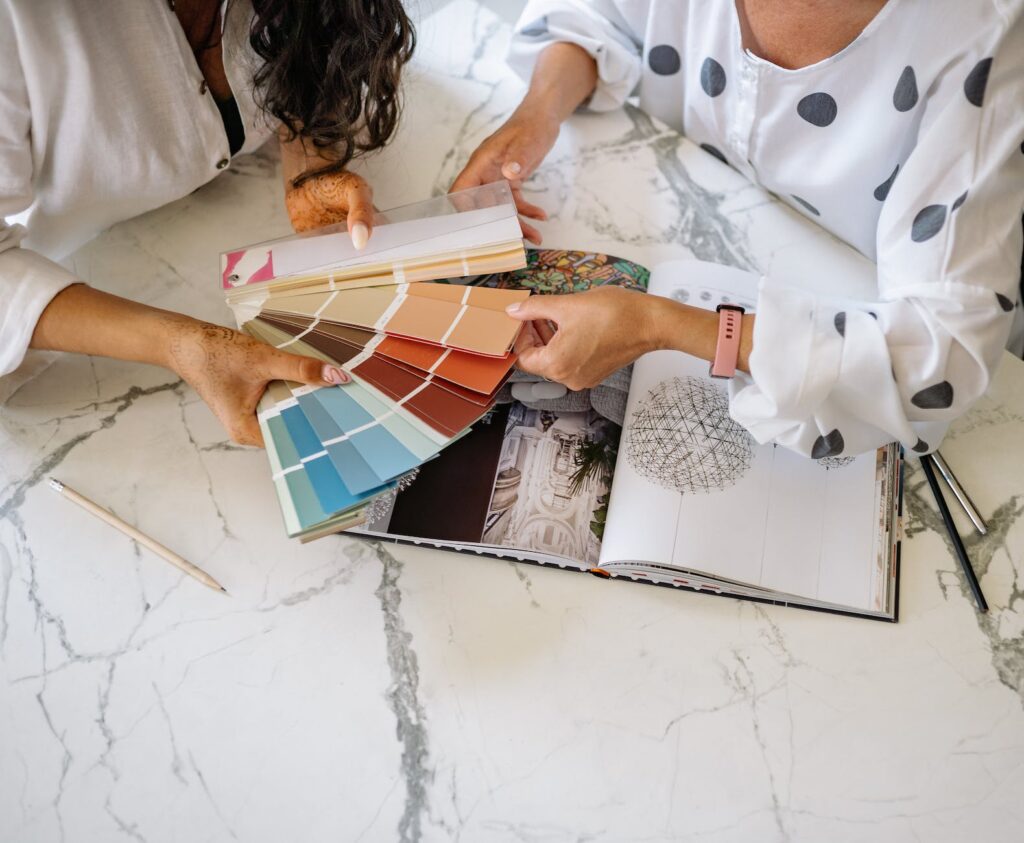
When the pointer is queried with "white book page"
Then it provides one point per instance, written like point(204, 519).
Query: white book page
point(694, 490)
point(398, 241)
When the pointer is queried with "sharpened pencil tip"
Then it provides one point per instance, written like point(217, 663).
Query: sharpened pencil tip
point(224, 589)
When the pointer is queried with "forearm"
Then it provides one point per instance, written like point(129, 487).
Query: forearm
point(680, 327)
point(87, 321)
point(565, 76)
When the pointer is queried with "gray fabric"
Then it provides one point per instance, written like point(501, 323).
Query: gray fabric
point(607, 398)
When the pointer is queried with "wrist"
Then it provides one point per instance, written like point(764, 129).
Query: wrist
point(171, 335)
point(672, 326)
point(565, 76)
point(542, 111)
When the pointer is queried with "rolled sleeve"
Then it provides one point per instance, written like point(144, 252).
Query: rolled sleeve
point(28, 283)
point(599, 27)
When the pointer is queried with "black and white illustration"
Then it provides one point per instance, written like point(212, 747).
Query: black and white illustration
point(682, 438)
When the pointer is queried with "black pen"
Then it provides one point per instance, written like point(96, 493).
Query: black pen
point(958, 545)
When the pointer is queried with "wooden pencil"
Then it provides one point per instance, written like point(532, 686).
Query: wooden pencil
point(164, 553)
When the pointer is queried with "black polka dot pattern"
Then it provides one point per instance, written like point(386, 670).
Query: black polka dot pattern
point(810, 208)
point(818, 109)
point(904, 97)
point(712, 77)
point(977, 79)
point(664, 60)
point(882, 191)
point(829, 445)
point(713, 150)
point(921, 446)
point(938, 396)
point(1004, 302)
point(959, 201)
point(840, 322)
point(928, 223)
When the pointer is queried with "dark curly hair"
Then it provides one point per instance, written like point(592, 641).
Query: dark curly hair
point(331, 71)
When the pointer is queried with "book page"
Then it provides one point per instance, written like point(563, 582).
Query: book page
point(693, 489)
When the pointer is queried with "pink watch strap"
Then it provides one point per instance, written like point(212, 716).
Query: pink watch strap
point(727, 351)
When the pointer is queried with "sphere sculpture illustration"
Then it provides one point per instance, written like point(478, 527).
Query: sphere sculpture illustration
point(682, 438)
point(835, 462)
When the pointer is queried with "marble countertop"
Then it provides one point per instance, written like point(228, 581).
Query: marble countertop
point(356, 691)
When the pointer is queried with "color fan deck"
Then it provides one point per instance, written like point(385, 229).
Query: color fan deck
point(427, 359)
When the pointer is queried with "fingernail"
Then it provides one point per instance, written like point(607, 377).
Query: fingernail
point(360, 236)
point(332, 374)
point(514, 167)
point(512, 308)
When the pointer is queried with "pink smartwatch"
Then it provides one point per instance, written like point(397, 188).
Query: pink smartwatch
point(727, 351)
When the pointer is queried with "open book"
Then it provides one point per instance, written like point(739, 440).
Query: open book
point(680, 495)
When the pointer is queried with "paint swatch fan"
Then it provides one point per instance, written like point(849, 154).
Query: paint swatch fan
point(427, 356)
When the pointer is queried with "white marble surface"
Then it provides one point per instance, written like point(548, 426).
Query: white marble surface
point(355, 692)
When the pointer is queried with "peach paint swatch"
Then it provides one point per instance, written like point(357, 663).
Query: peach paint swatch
point(451, 316)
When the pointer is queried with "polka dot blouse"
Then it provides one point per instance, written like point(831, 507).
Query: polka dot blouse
point(908, 144)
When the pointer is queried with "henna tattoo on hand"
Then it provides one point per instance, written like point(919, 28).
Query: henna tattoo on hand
point(322, 200)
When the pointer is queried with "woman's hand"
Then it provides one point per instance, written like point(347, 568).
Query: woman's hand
point(230, 371)
point(329, 199)
point(563, 77)
point(513, 153)
point(581, 338)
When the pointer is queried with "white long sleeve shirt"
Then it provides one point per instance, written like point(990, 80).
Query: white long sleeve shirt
point(908, 144)
point(104, 115)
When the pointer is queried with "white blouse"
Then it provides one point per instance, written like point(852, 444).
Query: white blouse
point(908, 145)
point(104, 115)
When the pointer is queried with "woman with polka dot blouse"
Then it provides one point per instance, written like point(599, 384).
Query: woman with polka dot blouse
point(898, 126)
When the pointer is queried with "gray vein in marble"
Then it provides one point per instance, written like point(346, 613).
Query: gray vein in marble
point(403, 697)
point(66, 759)
point(741, 678)
point(468, 121)
point(102, 705)
point(699, 223)
point(176, 764)
point(131, 830)
point(225, 446)
point(524, 578)
point(52, 460)
point(224, 528)
point(1007, 651)
point(209, 796)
